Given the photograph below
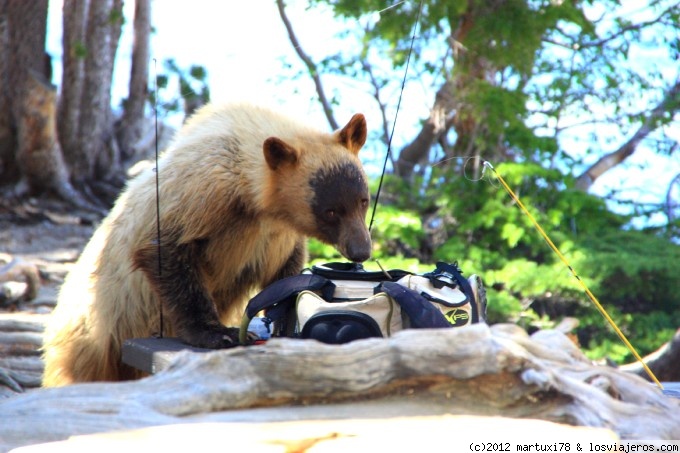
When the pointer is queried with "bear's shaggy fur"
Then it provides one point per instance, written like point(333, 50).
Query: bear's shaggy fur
point(240, 190)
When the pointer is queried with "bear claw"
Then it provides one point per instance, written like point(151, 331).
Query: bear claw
point(213, 338)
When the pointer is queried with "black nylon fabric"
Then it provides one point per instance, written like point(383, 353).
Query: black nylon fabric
point(286, 288)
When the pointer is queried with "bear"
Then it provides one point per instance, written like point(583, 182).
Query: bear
point(238, 192)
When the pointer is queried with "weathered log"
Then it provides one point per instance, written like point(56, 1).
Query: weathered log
point(15, 273)
point(23, 364)
point(14, 324)
point(476, 370)
point(21, 338)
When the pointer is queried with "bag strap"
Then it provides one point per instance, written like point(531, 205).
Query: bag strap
point(420, 311)
point(452, 272)
point(281, 291)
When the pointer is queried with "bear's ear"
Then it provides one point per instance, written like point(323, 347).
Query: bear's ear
point(278, 153)
point(353, 135)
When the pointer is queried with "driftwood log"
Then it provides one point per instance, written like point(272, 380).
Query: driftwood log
point(21, 367)
point(476, 371)
point(19, 280)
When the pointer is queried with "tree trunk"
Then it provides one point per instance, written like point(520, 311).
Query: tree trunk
point(27, 27)
point(74, 19)
point(437, 124)
point(131, 127)
point(95, 126)
point(45, 146)
point(22, 44)
point(7, 139)
point(39, 154)
point(450, 107)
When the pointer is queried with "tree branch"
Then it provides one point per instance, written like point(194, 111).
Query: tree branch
point(435, 125)
point(368, 69)
point(626, 29)
point(669, 104)
point(618, 33)
point(311, 66)
point(663, 362)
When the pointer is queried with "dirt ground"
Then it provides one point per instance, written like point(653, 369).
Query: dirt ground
point(46, 237)
point(52, 247)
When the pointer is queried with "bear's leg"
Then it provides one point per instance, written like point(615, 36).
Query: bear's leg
point(185, 299)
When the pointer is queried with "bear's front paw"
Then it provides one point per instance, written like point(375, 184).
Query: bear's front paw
point(213, 337)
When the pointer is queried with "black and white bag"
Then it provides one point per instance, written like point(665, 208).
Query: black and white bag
point(341, 302)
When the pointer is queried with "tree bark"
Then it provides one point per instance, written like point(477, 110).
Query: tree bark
point(95, 126)
point(664, 362)
point(131, 127)
point(27, 30)
point(39, 154)
point(449, 109)
point(73, 60)
point(22, 49)
point(7, 139)
point(437, 123)
point(668, 106)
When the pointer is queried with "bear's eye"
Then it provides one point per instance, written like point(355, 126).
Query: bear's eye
point(331, 214)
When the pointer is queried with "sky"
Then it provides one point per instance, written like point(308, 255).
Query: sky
point(244, 47)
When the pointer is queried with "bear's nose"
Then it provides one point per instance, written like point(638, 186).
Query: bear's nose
point(359, 250)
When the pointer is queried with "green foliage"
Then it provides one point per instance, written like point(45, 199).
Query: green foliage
point(646, 331)
point(635, 270)
point(179, 86)
point(397, 230)
point(503, 306)
point(320, 252)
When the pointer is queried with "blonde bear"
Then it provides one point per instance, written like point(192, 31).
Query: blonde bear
point(240, 190)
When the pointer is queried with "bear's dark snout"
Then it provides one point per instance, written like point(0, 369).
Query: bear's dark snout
point(356, 246)
point(358, 254)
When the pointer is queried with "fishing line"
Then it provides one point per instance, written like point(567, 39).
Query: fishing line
point(396, 115)
point(573, 272)
point(158, 203)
